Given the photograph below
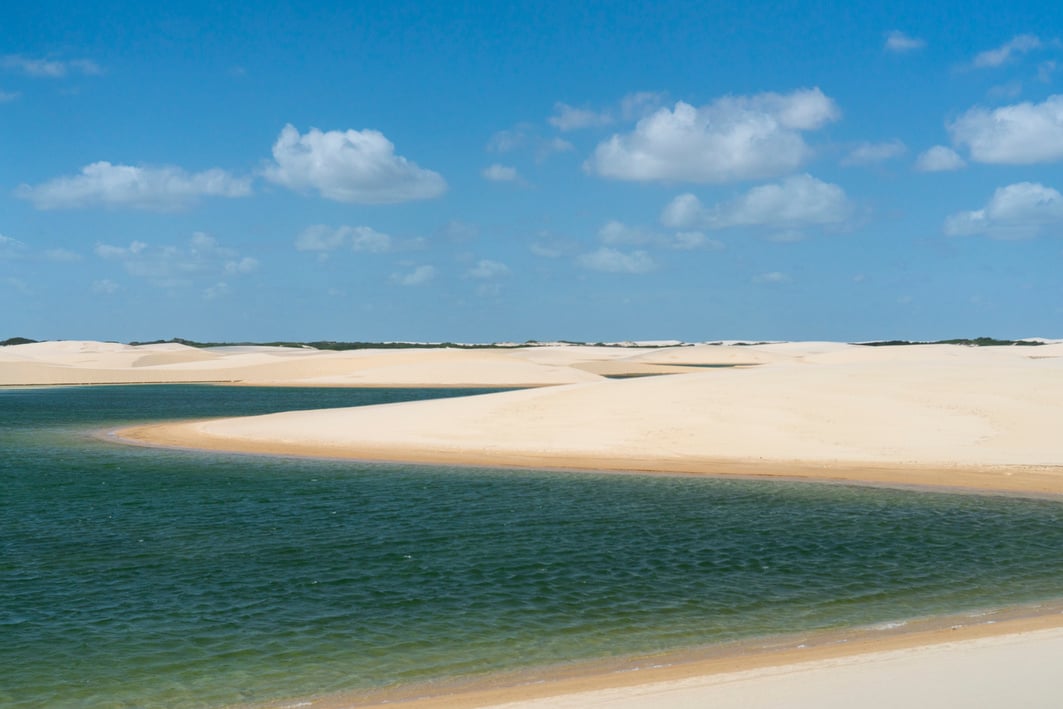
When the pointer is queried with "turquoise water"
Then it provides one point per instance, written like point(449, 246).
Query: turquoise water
point(133, 577)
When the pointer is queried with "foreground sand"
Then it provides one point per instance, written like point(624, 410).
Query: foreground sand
point(982, 418)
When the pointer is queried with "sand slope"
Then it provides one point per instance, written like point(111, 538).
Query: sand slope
point(934, 412)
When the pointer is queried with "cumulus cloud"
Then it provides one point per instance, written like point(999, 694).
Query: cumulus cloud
point(349, 166)
point(418, 276)
point(1019, 211)
point(900, 43)
point(1020, 44)
point(733, 138)
point(49, 68)
point(939, 159)
point(871, 153)
point(567, 118)
point(178, 266)
point(798, 201)
point(152, 188)
point(322, 238)
point(1020, 134)
point(500, 173)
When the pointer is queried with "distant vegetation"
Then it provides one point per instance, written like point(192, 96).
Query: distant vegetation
point(976, 342)
point(334, 345)
point(322, 344)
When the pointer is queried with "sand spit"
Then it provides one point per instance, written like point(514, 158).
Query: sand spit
point(932, 415)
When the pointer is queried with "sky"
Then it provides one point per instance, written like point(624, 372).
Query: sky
point(513, 171)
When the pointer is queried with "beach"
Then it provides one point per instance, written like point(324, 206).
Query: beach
point(920, 416)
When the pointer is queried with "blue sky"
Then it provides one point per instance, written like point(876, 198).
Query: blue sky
point(515, 171)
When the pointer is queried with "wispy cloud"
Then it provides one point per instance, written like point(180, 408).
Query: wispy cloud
point(568, 118)
point(500, 173)
point(178, 266)
point(613, 260)
point(872, 153)
point(164, 188)
point(49, 68)
point(900, 43)
point(323, 238)
point(1018, 45)
point(417, 276)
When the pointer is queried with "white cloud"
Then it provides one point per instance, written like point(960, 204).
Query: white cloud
point(567, 118)
point(526, 136)
point(772, 277)
point(178, 266)
point(690, 240)
point(1045, 70)
point(900, 43)
point(615, 233)
point(1020, 134)
point(8, 96)
point(418, 276)
point(105, 287)
point(218, 290)
point(1019, 211)
point(349, 166)
point(870, 153)
point(939, 159)
point(153, 188)
point(616, 261)
point(500, 173)
point(49, 68)
point(322, 238)
point(1020, 44)
point(10, 247)
point(246, 264)
point(801, 200)
point(62, 255)
point(486, 269)
point(640, 104)
point(733, 138)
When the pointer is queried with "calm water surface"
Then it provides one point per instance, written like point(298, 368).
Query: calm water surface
point(134, 577)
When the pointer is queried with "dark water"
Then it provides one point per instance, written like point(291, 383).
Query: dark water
point(134, 577)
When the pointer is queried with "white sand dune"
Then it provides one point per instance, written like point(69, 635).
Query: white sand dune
point(920, 419)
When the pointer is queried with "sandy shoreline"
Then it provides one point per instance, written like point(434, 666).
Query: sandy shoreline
point(985, 419)
point(727, 675)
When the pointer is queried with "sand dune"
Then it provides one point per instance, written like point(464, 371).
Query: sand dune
point(930, 416)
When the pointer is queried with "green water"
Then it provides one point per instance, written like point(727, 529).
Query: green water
point(132, 577)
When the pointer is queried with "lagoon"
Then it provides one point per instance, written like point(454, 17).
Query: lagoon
point(149, 577)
